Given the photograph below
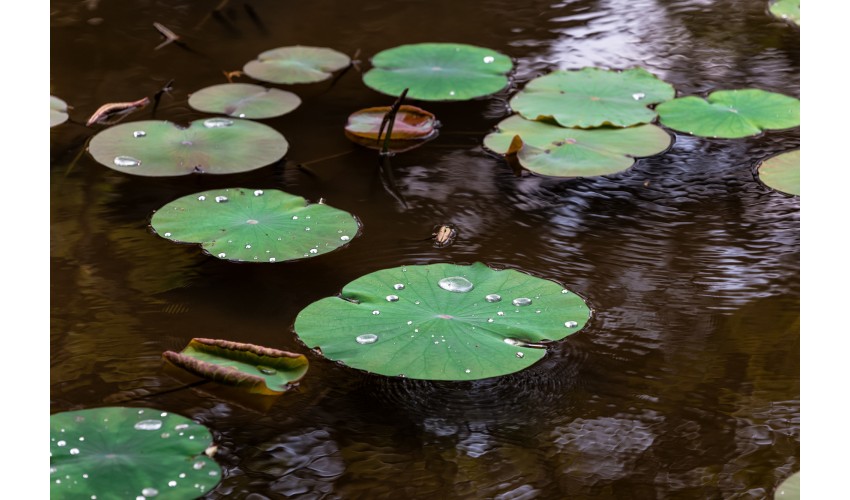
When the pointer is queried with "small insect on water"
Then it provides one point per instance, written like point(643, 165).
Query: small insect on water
point(444, 235)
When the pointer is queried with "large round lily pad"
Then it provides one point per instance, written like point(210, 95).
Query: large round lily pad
point(569, 152)
point(593, 97)
point(782, 172)
point(439, 71)
point(210, 146)
point(117, 452)
point(58, 111)
point(253, 225)
point(789, 489)
point(442, 321)
point(731, 114)
point(786, 9)
point(296, 64)
point(244, 100)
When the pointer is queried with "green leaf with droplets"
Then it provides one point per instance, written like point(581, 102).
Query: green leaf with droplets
point(782, 172)
point(439, 71)
point(789, 489)
point(570, 152)
point(436, 321)
point(244, 100)
point(296, 64)
point(257, 369)
point(249, 225)
point(786, 9)
point(211, 146)
point(58, 111)
point(117, 452)
point(593, 97)
point(730, 114)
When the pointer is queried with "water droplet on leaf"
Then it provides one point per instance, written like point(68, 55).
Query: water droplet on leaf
point(456, 284)
point(571, 324)
point(221, 199)
point(366, 338)
point(258, 192)
point(521, 301)
point(493, 297)
point(217, 123)
point(392, 298)
point(148, 425)
point(489, 59)
point(126, 161)
point(139, 133)
point(399, 286)
point(637, 96)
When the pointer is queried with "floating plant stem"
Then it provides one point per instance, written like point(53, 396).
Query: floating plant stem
point(389, 121)
point(112, 112)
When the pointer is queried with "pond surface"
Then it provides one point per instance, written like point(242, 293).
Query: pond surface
point(684, 384)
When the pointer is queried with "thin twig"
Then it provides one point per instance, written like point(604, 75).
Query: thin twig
point(389, 121)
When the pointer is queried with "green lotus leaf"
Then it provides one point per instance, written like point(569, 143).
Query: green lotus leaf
point(786, 9)
point(439, 71)
point(296, 64)
point(782, 172)
point(789, 489)
point(570, 152)
point(257, 369)
point(211, 146)
point(442, 321)
point(244, 100)
point(730, 114)
point(593, 97)
point(250, 225)
point(58, 111)
point(117, 452)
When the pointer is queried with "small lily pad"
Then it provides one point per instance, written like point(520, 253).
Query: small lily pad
point(731, 114)
point(593, 97)
point(442, 321)
point(412, 127)
point(211, 146)
point(296, 64)
point(789, 489)
point(244, 100)
point(58, 111)
point(117, 452)
point(439, 71)
point(257, 369)
point(782, 172)
point(570, 152)
point(253, 225)
point(786, 9)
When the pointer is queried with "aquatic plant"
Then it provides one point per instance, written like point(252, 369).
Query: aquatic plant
point(296, 64)
point(786, 9)
point(58, 111)
point(244, 100)
point(789, 489)
point(782, 172)
point(411, 128)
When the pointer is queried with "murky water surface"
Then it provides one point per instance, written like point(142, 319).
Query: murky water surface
point(685, 384)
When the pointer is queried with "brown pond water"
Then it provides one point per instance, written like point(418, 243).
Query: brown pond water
point(685, 383)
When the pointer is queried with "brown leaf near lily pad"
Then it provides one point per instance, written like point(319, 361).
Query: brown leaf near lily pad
point(412, 127)
point(256, 369)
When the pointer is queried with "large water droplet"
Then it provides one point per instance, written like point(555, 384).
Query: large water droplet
point(148, 425)
point(637, 96)
point(217, 123)
point(493, 297)
point(366, 338)
point(399, 286)
point(150, 492)
point(392, 298)
point(455, 284)
point(571, 324)
point(221, 199)
point(521, 301)
point(266, 370)
point(139, 133)
point(126, 161)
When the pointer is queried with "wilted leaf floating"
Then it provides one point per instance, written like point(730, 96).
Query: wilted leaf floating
point(412, 127)
point(593, 97)
point(211, 146)
point(439, 71)
point(442, 321)
point(731, 114)
point(254, 225)
point(58, 111)
point(117, 452)
point(113, 112)
point(570, 152)
point(256, 369)
point(244, 100)
point(782, 172)
point(296, 64)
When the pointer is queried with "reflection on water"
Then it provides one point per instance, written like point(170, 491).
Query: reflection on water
point(685, 383)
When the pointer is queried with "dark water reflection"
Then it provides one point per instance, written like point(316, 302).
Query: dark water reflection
point(685, 383)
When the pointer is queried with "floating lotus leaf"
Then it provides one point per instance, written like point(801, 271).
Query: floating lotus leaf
point(731, 114)
point(789, 489)
point(117, 452)
point(782, 172)
point(250, 225)
point(442, 321)
point(244, 100)
point(786, 9)
point(593, 97)
point(211, 146)
point(439, 71)
point(257, 369)
point(58, 111)
point(297, 64)
point(412, 127)
point(570, 152)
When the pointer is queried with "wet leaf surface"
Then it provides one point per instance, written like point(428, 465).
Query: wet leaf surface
point(244, 100)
